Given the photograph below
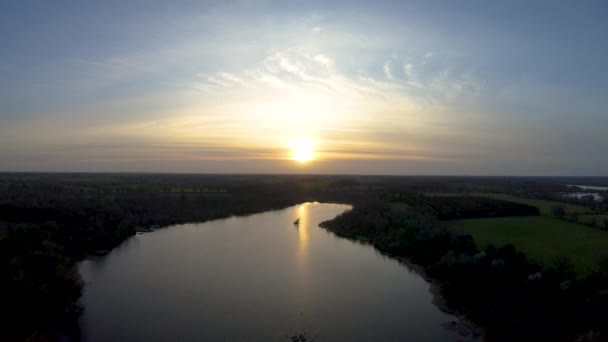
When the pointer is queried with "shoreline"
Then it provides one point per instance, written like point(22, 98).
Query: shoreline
point(464, 326)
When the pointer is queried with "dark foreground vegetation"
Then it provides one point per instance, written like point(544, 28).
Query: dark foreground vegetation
point(48, 222)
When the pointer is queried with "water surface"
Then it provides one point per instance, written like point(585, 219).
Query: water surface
point(256, 278)
point(591, 187)
point(597, 197)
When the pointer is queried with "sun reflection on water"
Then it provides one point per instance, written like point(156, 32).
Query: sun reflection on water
point(302, 256)
point(303, 226)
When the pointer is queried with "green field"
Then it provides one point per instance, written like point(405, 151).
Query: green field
point(599, 220)
point(543, 205)
point(540, 238)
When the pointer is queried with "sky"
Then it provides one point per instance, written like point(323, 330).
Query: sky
point(357, 87)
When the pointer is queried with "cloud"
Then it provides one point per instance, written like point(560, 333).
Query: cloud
point(300, 70)
point(248, 110)
point(408, 69)
point(387, 71)
point(407, 81)
point(308, 92)
point(324, 60)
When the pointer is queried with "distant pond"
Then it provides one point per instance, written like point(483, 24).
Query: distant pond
point(591, 187)
point(588, 192)
point(256, 278)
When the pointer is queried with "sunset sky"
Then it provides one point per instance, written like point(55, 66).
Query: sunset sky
point(420, 87)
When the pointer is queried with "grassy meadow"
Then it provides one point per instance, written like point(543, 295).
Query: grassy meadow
point(541, 238)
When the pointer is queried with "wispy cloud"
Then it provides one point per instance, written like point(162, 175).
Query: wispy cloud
point(297, 70)
point(387, 71)
point(388, 83)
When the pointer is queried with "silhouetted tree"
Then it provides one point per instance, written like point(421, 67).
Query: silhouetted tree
point(558, 211)
point(564, 267)
point(593, 221)
point(574, 217)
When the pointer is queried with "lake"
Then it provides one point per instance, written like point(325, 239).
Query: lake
point(596, 196)
point(590, 187)
point(579, 195)
point(256, 278)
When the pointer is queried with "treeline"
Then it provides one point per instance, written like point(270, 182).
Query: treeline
point(464, 207)
point(546, 188)
point(497, 288)
point(594, 221)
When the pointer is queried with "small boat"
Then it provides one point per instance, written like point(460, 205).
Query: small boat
point(297, 222)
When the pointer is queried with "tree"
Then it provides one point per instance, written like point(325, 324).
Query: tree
point(593, 221)
point(602, 265)
point(574, 217)
point(558, 211)
point(564, 267)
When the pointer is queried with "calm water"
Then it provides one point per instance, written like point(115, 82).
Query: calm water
point(595, 195)
point(590, 187)
point(256, 278)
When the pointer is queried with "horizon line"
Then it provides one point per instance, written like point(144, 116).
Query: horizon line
point(295, 174)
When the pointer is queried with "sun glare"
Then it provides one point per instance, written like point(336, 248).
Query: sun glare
point(302, 149)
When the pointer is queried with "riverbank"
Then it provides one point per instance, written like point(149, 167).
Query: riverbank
point(464, 326)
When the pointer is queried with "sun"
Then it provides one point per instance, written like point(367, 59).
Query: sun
point(302, 149)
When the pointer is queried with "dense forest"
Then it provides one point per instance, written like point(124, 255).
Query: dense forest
point(462, 207)
point(48, 222)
